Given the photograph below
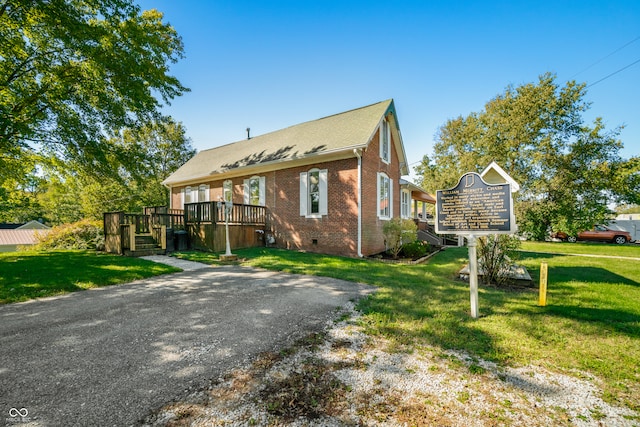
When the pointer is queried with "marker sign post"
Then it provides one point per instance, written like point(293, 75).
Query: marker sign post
point(474, 208)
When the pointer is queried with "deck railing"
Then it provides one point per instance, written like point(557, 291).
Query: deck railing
point(121, 229)
point(208, 212)
point(141, 221)
point(174, 220)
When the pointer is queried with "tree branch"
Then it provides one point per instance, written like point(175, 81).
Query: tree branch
point(3, 8)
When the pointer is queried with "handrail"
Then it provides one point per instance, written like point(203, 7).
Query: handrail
point(208, 212)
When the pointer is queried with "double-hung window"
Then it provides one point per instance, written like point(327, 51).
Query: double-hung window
point(254, 191)
point(186, 195)
point(385, 141)
point(195, 194)
point(203, 193)
point(385, 196)
point(227, 190)
point(405, 204)
point(313, 193)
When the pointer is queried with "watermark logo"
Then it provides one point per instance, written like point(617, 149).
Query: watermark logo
point(22, 412)
point(16, 415)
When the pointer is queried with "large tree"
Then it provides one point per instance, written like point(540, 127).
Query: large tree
point(566, 168)
point(628, 182)
point(19, 191)
point(75, 72)
point(59, 192)
point(147, 156)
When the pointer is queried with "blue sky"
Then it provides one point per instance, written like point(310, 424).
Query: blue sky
point(272, 64)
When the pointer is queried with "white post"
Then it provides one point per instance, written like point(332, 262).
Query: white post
point(473, 274)
point(227, 206)
point(227, 209)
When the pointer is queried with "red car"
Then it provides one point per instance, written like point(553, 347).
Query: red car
point(598, 233)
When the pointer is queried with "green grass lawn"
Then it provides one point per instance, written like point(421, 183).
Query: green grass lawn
point(31, 274)
point(591, 322)
point(608, 249)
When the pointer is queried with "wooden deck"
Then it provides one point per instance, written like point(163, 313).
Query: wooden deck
point(153, 231)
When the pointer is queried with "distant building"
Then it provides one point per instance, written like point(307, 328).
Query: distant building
point(629, 217)
point(13, 236)
point(628, 222)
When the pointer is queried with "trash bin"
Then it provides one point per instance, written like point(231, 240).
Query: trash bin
point(170, 240)
point(180, 240)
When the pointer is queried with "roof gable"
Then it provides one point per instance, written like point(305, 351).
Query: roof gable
point(34, 225)
point(494, 174)
point(311, 140)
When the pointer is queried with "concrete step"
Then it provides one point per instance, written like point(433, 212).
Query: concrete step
point(145, 252)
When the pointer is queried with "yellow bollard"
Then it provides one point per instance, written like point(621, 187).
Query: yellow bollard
point(542, 301)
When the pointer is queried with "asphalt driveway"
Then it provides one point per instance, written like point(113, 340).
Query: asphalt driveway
point(112, 355)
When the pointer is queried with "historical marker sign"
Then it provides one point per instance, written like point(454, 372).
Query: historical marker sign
point(474, 207)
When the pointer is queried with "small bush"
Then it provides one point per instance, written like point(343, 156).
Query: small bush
point(495, 257)
point(84, 234)
point(397, 232)
point(415, 250)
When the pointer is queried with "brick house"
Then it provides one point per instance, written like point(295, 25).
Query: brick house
point(328, 185)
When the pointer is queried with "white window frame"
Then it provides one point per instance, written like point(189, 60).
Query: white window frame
point(187, 195)
point(385, 141)
point(382, 179)
point(203, 190)
point(260, 181)
point(305, 195)
point(227, 190)
point(405, 204)
point(313, 191)
point(191, 194)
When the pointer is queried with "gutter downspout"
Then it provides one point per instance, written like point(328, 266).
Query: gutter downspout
point(359, 156)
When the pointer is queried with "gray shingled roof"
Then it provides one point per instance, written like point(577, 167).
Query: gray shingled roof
point(332, 134)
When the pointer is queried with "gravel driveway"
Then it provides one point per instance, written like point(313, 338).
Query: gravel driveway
point(109, 356)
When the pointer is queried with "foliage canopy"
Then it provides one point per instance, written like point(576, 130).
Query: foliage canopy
point(73, 72)
point(82, 83)
point(567, 169)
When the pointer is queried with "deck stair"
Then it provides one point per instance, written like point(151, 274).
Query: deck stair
point(145, 245)
point(145, 241)
point(432, 238)
point(429, 238)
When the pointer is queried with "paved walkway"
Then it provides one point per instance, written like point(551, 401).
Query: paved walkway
point(111, 356)
point(176, 262)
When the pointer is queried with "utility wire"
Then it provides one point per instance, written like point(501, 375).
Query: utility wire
point(612, 74)
point(602, 59)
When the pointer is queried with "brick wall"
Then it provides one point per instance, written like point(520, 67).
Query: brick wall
point(372, 237)
point(335, 233)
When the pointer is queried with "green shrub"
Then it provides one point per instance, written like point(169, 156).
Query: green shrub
point(495, 257)
point(397, 232)
point(84, 234)
point(415, 250)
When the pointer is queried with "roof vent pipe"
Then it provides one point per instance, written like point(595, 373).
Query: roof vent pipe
point(248, 133)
